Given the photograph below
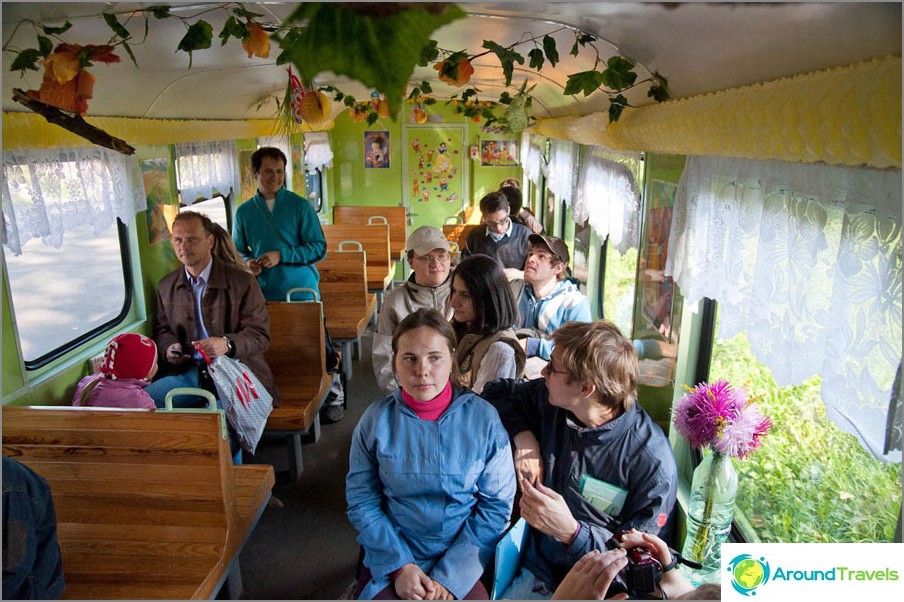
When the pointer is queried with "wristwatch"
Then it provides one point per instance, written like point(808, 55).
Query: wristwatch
point(231, 351)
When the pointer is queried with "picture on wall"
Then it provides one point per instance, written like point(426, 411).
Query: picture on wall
point(155, 176)
point(498, 153)
point(297, 168)
point(249, 185)
point(376, 149)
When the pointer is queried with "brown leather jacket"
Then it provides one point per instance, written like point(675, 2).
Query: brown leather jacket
point(233, 306)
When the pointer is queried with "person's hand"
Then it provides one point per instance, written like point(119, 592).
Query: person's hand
point(413, 584)
point(440, 592)
point(254, 266)
point(269, 259)
point(214, 347)
point(528, 462)
point(546, 511)
point(635, 538)
point(174, 354)
point(591, 576)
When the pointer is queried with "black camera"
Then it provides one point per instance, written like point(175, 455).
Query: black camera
point(642, 573)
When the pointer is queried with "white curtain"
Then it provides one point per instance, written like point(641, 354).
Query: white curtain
point(206, 169)
point(607, 196)
point(317, 151)
point(806, 258)
point(46, 192)
point(563, 164)
point(533, 164)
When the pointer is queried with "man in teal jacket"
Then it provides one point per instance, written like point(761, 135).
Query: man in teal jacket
point(277, 231)
point(279, 235)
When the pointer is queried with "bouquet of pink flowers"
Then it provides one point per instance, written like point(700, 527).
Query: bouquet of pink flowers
point(718, 415)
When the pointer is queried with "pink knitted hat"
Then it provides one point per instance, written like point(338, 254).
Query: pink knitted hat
point(129, 355)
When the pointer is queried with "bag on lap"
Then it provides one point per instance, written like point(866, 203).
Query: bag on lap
point(246, 402)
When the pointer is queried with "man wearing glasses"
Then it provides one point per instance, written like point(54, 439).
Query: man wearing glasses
point(428, 286)
point(589, 460)
point(499, 237)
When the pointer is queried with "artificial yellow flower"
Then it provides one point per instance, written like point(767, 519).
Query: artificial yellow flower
point(259, 42)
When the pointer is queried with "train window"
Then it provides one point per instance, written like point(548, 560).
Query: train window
point(63, 296)
point(205, 170)
point(313, 186)
point(216, 209)
point(580, 263)
point(619, 275)
point(828, 489)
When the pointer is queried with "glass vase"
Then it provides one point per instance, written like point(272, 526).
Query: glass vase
point(709, 516)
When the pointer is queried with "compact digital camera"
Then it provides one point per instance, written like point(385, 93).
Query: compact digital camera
point(642, 573)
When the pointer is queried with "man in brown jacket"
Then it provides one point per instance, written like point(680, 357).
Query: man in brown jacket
point(209, 302)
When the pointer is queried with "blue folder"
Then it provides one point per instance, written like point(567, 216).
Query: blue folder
point(509, 551)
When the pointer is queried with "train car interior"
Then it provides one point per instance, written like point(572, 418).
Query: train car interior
point(726, 176)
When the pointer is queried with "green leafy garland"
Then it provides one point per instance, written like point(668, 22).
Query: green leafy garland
point(379, 44)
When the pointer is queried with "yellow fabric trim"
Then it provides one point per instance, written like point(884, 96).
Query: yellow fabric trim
point(30, 130)
point(845, 115)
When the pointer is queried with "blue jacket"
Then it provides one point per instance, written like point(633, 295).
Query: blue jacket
point(436, 493)
point(564, 304)
point(292, 229)
point(630, 452)
point(32, 565)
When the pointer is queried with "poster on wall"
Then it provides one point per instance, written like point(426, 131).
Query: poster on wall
point(434, 176)
point(249, 185)
point(297, 169)
point(498, 153)
point(376, 149)
point(658, 288)
point(160, 206)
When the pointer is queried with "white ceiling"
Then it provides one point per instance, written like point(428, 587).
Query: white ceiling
point(698, 47)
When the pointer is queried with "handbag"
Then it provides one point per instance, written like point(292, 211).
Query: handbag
point(245, 400)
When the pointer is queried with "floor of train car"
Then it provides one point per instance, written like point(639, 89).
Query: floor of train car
point(304, 546)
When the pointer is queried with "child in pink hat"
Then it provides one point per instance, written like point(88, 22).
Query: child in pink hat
point(129, 364)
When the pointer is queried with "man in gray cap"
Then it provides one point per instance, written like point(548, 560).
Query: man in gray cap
point(546, 297)
point(428, 286)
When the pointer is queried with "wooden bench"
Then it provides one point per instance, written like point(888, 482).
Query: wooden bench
point(396, 217)
point(374, 240)
point(347, 304)
point(458, 233)
point(148, 503)
point(297, 358)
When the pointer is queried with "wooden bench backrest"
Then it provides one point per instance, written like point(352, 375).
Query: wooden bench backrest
point(471, 215)
point(458, 233)
point(396, 216)
point(297, 358)
point(139, 496)
point(343, 288)
point(374, 240)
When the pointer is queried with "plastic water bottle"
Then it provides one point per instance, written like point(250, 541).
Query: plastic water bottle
point(709, 516)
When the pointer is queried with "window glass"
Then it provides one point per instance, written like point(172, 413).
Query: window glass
point(619, 284)
point(580, 263)
point(313, 183)
point(809, 482)
point(59, 295)
point(214, 208)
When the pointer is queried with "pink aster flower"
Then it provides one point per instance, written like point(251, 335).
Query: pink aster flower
point(741, 437)
point(701, 415)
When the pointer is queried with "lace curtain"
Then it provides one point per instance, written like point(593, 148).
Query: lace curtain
point(317, 151)
point(806, 259)
point(206, 169)
point(563, 164)
point(606, 196)
point(46, 192)
point(532, 162)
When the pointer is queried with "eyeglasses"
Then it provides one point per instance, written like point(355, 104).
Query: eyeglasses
point(550, 369)
point(498, 224)
point(431, 259)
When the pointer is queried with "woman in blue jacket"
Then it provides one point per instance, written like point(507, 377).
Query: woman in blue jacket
point(431, 478)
